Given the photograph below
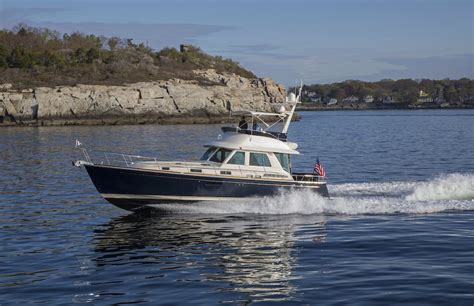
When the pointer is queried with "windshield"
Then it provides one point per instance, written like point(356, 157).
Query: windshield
point(284, 160)
point(208, 153)
point(220, 155)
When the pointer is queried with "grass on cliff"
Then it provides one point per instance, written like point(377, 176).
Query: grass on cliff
point(32, 57)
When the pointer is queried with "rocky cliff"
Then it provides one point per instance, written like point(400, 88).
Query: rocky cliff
point(173, 101)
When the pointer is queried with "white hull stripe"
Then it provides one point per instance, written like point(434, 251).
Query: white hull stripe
point(166, 197)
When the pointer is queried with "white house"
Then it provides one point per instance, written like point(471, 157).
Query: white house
point(312, 96)
point(368, 99)
point(350, 99)
point(424, 97)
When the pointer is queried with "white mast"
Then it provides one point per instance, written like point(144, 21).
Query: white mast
point(291, 100)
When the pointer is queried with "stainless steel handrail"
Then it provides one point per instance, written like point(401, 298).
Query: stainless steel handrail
point(307, 177)
point(113, 158)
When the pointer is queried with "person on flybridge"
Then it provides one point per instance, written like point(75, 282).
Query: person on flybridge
point(243, 123)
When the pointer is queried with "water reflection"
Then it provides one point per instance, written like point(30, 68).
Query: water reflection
point(251, 255)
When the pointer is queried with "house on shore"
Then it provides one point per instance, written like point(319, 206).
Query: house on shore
point(368, 99)
point(350, 99)
point(389, 100)
point(312, 96)
point(424, 97)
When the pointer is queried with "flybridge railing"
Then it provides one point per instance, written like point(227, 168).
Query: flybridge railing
point(276, 135)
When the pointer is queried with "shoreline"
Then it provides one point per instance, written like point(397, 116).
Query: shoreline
point(177, 120)
point(306, 108)
point(113, 121)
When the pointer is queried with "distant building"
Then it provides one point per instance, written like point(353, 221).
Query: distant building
point(184, 48)
point(389, 100)
point(368, 99)
point(350, 99)
point(423, 94)
point(424, 100)
point(467, 98)
point(313, 96)
point(423, 97)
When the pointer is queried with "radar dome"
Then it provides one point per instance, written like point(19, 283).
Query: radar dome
point(291, 97)
point(281, 109)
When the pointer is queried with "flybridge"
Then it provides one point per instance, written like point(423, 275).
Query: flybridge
point(284, 113)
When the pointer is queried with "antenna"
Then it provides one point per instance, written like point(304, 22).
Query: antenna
point(298, 98)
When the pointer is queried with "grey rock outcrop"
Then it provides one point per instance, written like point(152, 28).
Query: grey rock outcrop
point(173, 101)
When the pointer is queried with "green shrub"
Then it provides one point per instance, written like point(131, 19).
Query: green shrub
point(42, 57)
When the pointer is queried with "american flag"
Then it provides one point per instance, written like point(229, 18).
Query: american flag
point(319, 169)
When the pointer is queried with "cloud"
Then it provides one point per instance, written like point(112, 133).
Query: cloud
point(287, 64)
point(262, 50)
point(255, 48)
point(328, 67)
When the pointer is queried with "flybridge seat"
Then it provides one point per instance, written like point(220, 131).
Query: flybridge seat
point(277, 135)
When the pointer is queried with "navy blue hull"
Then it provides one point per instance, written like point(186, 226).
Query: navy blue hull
point(132, 188)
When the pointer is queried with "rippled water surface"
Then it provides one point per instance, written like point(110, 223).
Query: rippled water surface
point(399, 228)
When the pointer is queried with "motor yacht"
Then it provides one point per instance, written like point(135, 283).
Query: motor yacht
point(247, 161)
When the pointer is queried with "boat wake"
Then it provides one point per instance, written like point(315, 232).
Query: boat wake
point(453, 192)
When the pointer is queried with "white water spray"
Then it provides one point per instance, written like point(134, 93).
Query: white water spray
point(450, 192)
point(451, 187)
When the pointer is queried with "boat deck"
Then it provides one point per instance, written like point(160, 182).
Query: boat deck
point(194, 167)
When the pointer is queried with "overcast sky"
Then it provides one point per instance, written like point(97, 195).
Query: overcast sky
point(313, 40)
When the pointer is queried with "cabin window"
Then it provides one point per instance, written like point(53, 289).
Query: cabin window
point(259, 159)
point(237, 159)
point(208, 153)
point(220, 155)
point(284, 160)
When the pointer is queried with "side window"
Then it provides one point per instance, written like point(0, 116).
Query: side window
point(237, 159)
point(220, 155)
point(259, 159)
point(208, 153)
point(284, 160)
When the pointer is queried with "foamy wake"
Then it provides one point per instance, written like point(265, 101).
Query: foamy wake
point(445, 193)
point(452, 187)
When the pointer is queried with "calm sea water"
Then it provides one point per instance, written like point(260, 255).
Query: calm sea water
point(399, 228)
